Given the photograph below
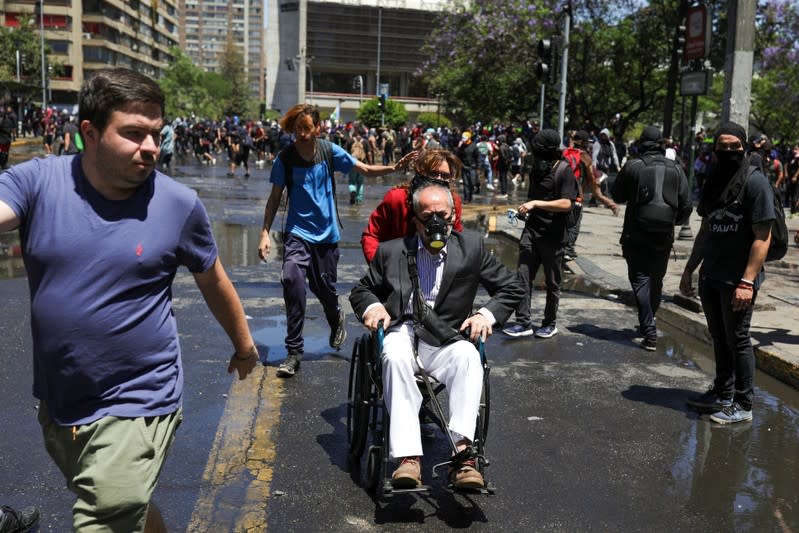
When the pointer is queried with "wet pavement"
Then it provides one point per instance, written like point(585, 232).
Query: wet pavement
point(588, 431)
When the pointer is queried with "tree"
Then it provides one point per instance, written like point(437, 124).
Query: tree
point(481, 58)
point(232, 67)
point(186, 90)
point(370, 114)
point(434, 119)
point(26, 39)
point(775, 88)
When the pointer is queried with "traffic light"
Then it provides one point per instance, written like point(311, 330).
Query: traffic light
point(544, 65)
point(381, 102)
point(681, 35)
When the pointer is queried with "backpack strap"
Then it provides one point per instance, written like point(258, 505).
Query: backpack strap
point(326, 148)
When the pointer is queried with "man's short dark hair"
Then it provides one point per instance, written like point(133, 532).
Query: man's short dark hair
point(110, 90)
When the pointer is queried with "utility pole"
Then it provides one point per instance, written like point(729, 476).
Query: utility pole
point(564, 71)
point(738, 65)
point(379, 39)
point(674, 67)
point(44, 69)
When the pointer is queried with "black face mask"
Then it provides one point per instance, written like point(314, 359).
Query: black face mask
point(730, 160)
point(437, 231)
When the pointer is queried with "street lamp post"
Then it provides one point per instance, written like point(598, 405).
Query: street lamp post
point(41, 39)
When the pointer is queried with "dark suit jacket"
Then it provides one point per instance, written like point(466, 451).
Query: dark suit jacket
point(468, 265)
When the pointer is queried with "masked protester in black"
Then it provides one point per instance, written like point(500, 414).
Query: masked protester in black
point(551, 195)
point(656, 191)
point(738, 211)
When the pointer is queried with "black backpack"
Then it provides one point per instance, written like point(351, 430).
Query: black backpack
point(657, 199)
point(779, 230)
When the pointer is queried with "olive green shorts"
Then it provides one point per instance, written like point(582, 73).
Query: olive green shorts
point(112, 465)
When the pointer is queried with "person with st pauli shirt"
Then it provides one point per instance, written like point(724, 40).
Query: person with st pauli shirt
point(737, 208)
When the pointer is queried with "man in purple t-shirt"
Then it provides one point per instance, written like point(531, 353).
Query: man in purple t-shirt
point(103, 234)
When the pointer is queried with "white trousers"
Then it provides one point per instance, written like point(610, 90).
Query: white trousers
point(456, 365)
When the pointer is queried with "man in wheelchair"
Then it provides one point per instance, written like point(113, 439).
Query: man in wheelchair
point(422, 288)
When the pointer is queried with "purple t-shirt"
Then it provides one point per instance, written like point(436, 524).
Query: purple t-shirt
point(100, 272)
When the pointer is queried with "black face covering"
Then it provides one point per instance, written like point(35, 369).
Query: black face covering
point(436, 229)
point(730, 161)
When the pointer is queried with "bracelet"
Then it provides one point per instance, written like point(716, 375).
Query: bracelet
point(252, 353)
point(745, 287)
point(747, 282)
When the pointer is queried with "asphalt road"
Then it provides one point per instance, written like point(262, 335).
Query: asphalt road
point(588, 431)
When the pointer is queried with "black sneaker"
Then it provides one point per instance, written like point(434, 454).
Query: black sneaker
point(352, 197)
point(338, 334)
point(649, 344)
point(13, 521)
point(289, 367)
point(709, 402)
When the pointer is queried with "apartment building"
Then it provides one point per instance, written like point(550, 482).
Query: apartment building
point(206, 27)
point(87, 35)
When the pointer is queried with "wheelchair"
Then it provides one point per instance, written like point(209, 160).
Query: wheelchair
point(368, 420)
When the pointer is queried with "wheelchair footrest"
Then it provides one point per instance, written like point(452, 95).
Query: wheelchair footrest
point(489, 489)
point(389, 490)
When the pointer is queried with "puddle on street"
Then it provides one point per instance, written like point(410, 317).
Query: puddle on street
point(746, 472)
point(269, 336)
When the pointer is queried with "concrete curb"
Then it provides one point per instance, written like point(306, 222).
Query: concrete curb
point(778, 365)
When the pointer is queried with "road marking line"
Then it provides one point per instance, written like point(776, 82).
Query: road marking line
point(235, 486)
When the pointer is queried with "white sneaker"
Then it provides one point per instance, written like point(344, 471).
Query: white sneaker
point(213, 161)
point(489, 187)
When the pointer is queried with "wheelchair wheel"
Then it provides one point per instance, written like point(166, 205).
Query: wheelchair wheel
point(374, 468)
point(358, 393)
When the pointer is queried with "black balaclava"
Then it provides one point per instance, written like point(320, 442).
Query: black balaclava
point(724, 184)
point(546, 148)
point(651, 140)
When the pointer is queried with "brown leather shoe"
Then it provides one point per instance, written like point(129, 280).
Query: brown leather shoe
point(408, 474)
point(467, 476)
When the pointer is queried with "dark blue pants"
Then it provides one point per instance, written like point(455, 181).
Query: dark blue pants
point(533, 253)
point(732, 345)
point(645, 270)
point(318, 263)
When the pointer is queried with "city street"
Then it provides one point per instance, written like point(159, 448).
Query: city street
point(588, 432)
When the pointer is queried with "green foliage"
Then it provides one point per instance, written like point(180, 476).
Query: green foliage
point(186, 90)
point(26, 39)
point(482, 61)
point(775, 88)
point(370, 115)
point(232, 66)
point(434, 120)
point(482, 58)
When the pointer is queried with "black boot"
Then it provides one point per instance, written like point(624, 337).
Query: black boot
point(12, 520)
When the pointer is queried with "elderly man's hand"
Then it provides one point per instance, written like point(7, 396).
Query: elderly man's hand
point(374, 316)
point(479, 325)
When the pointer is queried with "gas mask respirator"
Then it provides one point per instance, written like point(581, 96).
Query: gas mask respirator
point(436, 229)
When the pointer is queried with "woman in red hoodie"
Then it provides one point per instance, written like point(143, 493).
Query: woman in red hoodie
point(391, 219)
